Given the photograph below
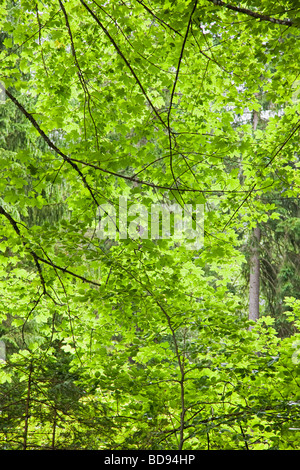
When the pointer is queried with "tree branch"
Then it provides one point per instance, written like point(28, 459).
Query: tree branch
point(254, 14)
point(50, 143)
point(158, 19)
point(174, 86)
point(117, 48)
point(65, 270)
point(80, 74)
point(33, 254)
point(251, 190)
point(38, 259)
point(158, 186)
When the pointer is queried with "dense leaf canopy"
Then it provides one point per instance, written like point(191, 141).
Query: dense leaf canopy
point(142, 343)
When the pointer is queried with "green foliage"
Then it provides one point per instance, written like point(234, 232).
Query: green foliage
point(139, 343)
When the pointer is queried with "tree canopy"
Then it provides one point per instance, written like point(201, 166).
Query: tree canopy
point(140, 342)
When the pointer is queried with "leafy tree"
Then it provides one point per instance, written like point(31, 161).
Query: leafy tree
point(142, 343)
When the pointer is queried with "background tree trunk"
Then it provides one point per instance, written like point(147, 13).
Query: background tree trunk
point(254, 282)
point(254, 275)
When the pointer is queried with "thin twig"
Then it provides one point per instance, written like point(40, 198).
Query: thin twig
point(80, 74)
point(255, 184)
point(158, 19)
point(117, 48)
point(174, 87)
